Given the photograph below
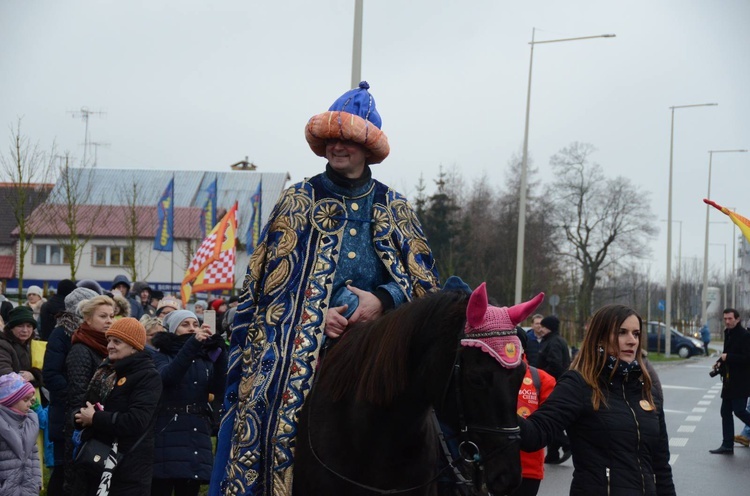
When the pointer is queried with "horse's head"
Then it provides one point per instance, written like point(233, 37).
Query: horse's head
point(487, 377)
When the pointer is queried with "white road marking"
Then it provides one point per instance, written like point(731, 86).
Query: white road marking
point(704, 402)
point(693, 418)
point(682, 387)
point(699, 410)
point(678, 441)
point(709, 396)
point(686, 428)
point(673, 459)
point(673, 411)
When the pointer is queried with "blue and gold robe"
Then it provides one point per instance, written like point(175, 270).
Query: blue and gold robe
point(318, 238)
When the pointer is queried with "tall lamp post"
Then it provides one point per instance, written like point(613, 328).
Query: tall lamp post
point(357, 44)
point(668, 302)
point(679, 268)
point(524, 162)
point(724, 295)
point(734, 270)
point(704, 292)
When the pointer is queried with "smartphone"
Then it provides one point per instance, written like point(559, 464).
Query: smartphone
point(209, 318)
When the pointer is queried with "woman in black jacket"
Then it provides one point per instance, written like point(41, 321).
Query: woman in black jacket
point(617, 433)
point(127, 387)
point(192, 363)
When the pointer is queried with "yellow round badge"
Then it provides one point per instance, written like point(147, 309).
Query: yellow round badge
point(510, 350)
point(523, 411)
point(121, 381)
point(527, 381)
point(646, 405)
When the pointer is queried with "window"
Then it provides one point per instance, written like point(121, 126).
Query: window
point(112, 256)
point(51, 255)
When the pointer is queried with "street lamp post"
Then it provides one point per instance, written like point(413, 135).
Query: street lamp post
point(524, 162)
point(734, 271)
point(668, 302)
point(357, 44)
point(724, 295)
point(704, 292)
point(679, 270)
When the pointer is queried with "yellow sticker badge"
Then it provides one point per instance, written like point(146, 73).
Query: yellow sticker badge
point(646, 405)
point(527, 381)
point(122, 381)
point(510, 350)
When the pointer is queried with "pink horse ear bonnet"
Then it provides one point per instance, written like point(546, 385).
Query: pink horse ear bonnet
point(493, 329)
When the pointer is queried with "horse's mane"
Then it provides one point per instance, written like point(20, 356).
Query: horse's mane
point(371, 360)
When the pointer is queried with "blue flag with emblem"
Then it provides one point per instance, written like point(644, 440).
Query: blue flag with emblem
point(253, 230)
point(208, 219)
point(164, 237)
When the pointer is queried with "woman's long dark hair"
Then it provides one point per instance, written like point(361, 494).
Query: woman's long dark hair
point(602, 332)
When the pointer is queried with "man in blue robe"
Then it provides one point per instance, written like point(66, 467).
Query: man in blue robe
point(338, 248)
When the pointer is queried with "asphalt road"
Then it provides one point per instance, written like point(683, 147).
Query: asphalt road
point(691, 400)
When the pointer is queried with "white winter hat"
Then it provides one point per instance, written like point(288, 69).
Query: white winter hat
point(34, 290)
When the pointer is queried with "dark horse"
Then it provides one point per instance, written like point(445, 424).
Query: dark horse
point(368, 427)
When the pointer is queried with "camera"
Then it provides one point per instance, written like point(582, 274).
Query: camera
point(717, 368)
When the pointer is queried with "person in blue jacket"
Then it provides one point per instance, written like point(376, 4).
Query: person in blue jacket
point(192, 362)
point(706, 338)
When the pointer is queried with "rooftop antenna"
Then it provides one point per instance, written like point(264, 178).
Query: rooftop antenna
point(96, 145)
point(84, 114)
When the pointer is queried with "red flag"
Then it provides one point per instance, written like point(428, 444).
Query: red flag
point(213, 264)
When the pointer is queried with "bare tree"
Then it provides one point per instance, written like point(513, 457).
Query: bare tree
point(26, 168)
point(68, 215)
point(129, 198)
point(604, 220)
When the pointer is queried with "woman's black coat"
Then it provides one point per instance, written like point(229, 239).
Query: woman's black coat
point(190, 371)
point(56, 381)
point(620, 450)
point(129, 412)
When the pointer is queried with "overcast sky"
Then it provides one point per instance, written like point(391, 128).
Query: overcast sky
point(201, 84)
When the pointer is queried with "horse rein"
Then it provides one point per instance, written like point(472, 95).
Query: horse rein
point(468, 451)
point(359, 484)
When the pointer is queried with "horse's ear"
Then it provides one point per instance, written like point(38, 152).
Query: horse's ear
point(477, 307)
point(518, 313)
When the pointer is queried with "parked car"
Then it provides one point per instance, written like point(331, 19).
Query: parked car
point(681, 345)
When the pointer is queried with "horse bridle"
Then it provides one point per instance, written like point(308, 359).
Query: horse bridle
point(468, 452)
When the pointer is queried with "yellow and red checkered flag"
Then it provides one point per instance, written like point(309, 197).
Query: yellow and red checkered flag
point(742, 222)
point(213, 264)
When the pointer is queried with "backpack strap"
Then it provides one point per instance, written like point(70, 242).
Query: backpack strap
point(535, 379)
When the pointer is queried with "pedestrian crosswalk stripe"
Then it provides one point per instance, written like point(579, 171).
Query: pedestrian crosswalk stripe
point(678, 441)
point(693, 418)
point(686, 428)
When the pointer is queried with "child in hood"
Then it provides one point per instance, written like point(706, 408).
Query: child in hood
point(20, 469)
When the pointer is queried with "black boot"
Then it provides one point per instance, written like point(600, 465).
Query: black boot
point(722, 450)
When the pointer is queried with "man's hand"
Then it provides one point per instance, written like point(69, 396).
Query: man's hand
point(723, 357)
point(335, 322)
point(370, 307)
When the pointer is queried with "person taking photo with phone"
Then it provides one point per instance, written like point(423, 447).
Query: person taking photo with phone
point(192, 362)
